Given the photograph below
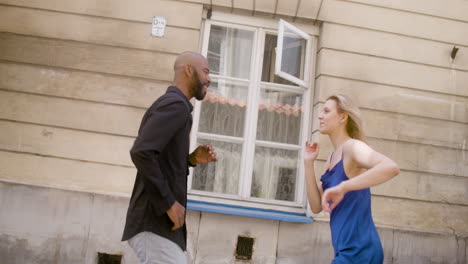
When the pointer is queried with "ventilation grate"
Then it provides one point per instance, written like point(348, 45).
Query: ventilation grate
point(244, 248)
point(104, 258)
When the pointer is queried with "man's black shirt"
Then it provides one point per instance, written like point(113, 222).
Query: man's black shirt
point(160, 154)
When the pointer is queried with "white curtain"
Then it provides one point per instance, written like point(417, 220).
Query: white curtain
point(221, 176)
point(274, 174)
point(272, 167)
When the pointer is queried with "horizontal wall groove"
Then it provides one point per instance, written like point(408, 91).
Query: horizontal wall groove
point(67, 128)
point(417, 231)
point(424, 144)
point(65, 158)
point(442, 203)
point(393, 59)
point(406, 11)
point(416, 143)
point(416, 171)
point(90, 43)
point(72, 99)
point(402, 114)
point(390, 85)
point(411, 115)
point(400, 229)
point(399, 34)
point(94, 16)
point(81, 70)
point(67, 188)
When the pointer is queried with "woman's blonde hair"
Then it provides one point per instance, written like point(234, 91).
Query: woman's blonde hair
point(354, 126)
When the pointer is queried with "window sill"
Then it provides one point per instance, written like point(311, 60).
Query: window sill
point(248, 211)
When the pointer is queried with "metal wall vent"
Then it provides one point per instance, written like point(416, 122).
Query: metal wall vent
point(244, 248)
point(104, 258)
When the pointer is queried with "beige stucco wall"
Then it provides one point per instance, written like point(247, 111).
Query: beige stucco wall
point(76, 77)
point(413, 96)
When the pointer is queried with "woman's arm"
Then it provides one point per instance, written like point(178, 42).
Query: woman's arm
point(314, 192)
point(379, 169)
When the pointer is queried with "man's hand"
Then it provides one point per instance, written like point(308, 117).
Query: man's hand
point(177, 215)
point(202, 154)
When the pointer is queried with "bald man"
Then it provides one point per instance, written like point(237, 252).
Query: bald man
point(155, 225)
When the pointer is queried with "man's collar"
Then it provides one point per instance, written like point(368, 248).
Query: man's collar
point(181, 94)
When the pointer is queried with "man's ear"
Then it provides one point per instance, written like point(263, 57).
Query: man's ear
point(188, 70)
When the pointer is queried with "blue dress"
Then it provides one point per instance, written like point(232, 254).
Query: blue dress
point(354, 236)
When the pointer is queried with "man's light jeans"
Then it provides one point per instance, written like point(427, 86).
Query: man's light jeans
point(153, 249)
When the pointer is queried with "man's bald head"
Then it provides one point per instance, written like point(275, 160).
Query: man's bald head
point(192, 74)
point(188, 58)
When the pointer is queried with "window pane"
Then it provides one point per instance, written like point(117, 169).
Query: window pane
point(292, 59)
point(275, 173)
point(279, 116)
point(221, 176)
point(230, 51)
point(223, 109)
point(269, 55)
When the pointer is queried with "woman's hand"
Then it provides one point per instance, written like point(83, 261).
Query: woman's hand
point(311, 151)
point(332, 197)
point(313, 191)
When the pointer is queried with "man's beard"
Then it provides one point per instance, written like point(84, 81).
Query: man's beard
point(198, 86)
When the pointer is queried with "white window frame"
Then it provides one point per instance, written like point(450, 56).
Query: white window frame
point(282, 25)
point(249, 142)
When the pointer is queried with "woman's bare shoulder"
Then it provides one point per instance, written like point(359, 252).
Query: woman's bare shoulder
point(354, 146)
point(351, 148)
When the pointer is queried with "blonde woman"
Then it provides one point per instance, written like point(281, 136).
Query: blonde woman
point(351, 170)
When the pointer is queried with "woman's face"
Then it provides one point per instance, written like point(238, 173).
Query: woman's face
point(329, 117)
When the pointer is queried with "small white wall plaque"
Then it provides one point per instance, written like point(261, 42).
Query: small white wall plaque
point(159, 25)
